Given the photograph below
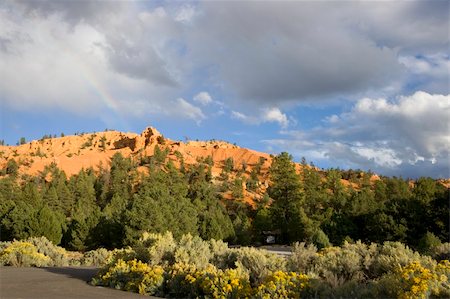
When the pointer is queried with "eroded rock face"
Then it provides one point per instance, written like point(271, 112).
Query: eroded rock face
point(125, 142)
point(148, 137)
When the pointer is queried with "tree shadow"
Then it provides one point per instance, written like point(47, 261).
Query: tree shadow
point(82, 273)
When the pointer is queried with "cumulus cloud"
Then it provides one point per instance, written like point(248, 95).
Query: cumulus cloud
point(332, 49)
point(45, 63)
point(60, 56)
point(275, 115)
point(390, 136)
point(429, 72)
point(203, 98)
point(266, 115)
point(187, 110)
point(131, 59)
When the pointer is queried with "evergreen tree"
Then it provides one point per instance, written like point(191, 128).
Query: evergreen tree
point(19, 222)
point(48, 224)
point(118, 180)
point(288, 198)
point(161, 205)
point(213, 220)
point(12, 168)
point(86, 212)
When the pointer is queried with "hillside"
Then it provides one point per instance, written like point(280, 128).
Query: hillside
point(94, 150)
point(75, 152)
point(72, 153)
point(114, 186)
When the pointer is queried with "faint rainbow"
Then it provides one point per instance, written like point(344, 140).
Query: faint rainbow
point(101, 91)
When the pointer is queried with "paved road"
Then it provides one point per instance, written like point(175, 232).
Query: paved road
point(54, 283)
point(281, 250)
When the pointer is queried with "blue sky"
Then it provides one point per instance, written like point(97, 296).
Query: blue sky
point(352, 84)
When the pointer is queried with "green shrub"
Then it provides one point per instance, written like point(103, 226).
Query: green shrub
point(58, 255)
point(193, 250)
point(335, 266)
point(97, 257)
point(416, 281)
point(428, 242)
point(302, 258)
point(391, 255)
point(220, 252)
point(22, 254)
point(441, 252)
point(156, 249)
point(228, 283)
point(259, 263)
point(320, 239)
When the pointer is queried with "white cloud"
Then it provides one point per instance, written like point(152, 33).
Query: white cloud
point(275, 115)
point(163, 52)
point(407, 135)
point(187, 110)
point(266, 115)
point(384, 157)
point(185, 14)
point(203, 98)
point(430, 72)
point(240, 116)
point(53, 58)
point(45, 63)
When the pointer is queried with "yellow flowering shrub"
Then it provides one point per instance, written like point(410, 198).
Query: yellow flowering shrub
point(416, 281)
point(280, 284)
point(58, 255)
point(229, 283)
point(22, 254)
point(132, 275)
point(187, 281)
point(182, 280)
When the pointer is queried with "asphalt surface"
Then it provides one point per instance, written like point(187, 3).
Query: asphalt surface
point(54, 283)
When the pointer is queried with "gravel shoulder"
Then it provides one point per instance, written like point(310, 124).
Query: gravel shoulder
point(53, 283)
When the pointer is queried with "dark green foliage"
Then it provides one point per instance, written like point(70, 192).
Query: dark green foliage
point(228, 165)
point(160, 156)
point(49, 224)
point(103, 143)
point(88, 143)
point(161, 205)
point(86, 213)
point(428, 242)
point(23, 221)
point(12, 168)
point(112, 206)
point(118, 180)
point(237, 190)
point(288, 197)
point(262, 221)
point(320, 239)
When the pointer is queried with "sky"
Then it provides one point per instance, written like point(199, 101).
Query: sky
point(345, 84)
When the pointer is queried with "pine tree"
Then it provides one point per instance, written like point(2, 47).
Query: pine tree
point(288, 199)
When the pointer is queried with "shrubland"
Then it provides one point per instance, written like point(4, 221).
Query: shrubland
point(190, 267)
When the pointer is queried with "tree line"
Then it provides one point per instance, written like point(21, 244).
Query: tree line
point(111, 207)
